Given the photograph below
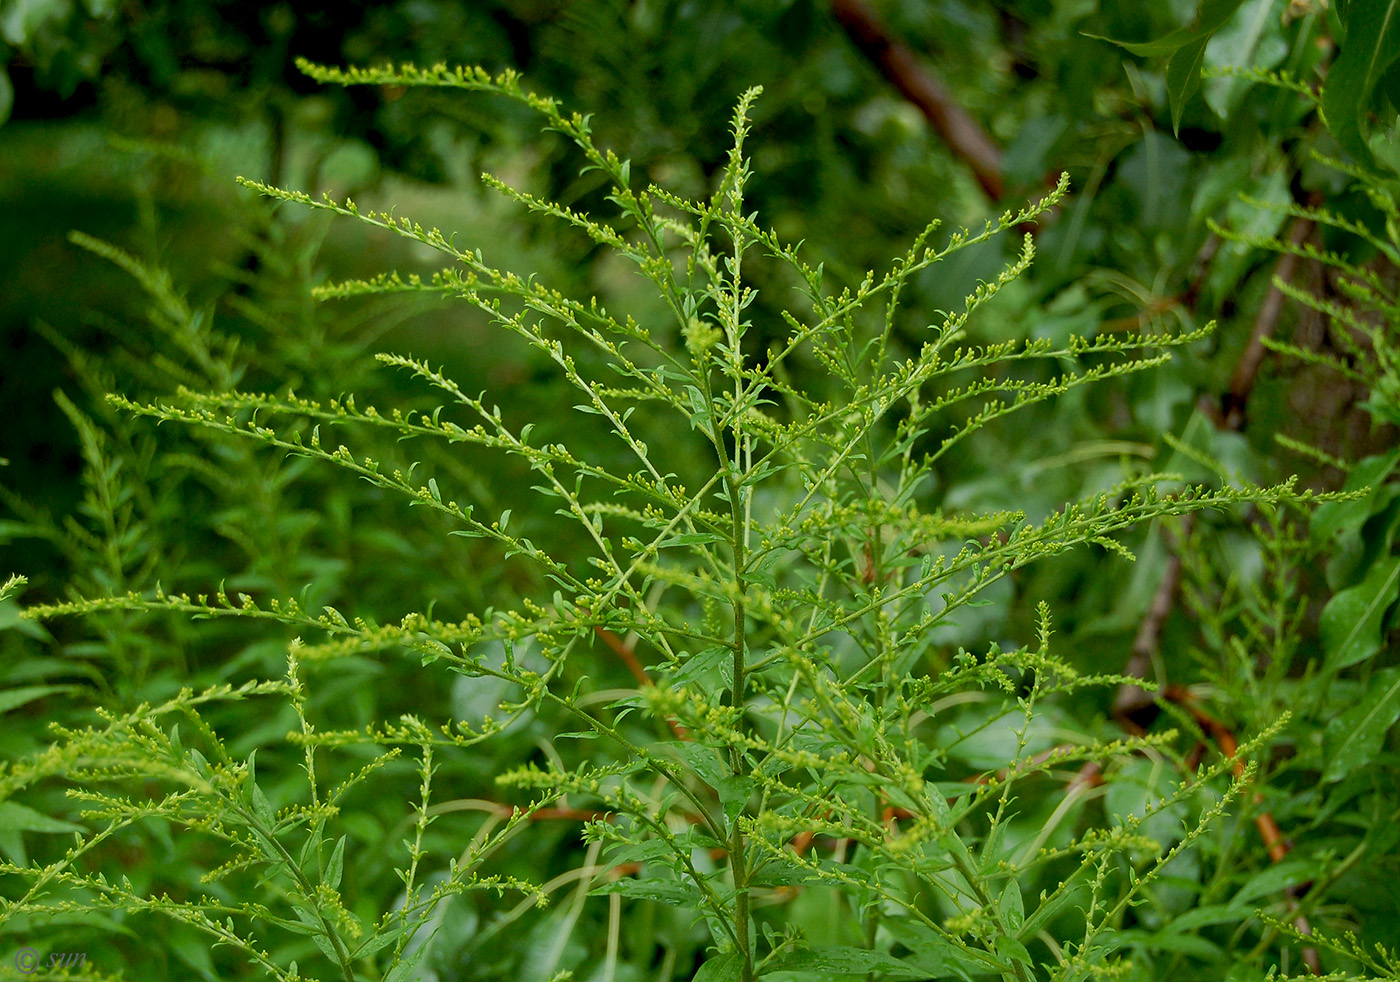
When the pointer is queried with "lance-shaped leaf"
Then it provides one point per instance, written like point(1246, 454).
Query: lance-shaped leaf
point(1187, 48)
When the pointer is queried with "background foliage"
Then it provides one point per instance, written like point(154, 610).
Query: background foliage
point(1245, 197)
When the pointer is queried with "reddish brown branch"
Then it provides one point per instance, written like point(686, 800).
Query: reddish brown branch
point(629, 658)
point(624, 654)
point(963, 134)
point(1131, 700)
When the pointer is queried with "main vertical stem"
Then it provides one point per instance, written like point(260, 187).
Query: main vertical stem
point(738, 859)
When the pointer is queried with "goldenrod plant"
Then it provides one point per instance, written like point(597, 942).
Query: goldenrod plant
point(797, 777)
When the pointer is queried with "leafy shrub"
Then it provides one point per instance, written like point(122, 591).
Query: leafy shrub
point(802, 778)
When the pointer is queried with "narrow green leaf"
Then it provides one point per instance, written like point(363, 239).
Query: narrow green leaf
point(1277, 877)
point(15, 817)
point(14, 698)
point(337, 865)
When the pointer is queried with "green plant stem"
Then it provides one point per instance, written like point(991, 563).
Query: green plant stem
point(737, 846)
point(308, 891)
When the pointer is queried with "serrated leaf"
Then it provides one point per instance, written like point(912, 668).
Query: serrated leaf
point(262, 808)
point(1355, 737)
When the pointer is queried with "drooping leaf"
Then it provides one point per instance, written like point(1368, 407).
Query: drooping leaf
point(1210, 17)
point(1187, 48)
point(1184, 76)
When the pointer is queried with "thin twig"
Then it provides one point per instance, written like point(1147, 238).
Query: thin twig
point(963, 134)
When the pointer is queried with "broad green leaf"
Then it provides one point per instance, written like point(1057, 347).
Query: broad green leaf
point(1354, 738)
point(1332, 517)
point(1013, 950)
point(1277, 877)
point(194, 951)
point(1013, 911)
point(1255, 37)
point(1184, 76)
point(722, 968)
point(936, 954)
point(1209, 916)
point(1371, 46)
point(1350, 627)
point(734, 793)
point(663, 891)
point(778, 872)
point(830, 960)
